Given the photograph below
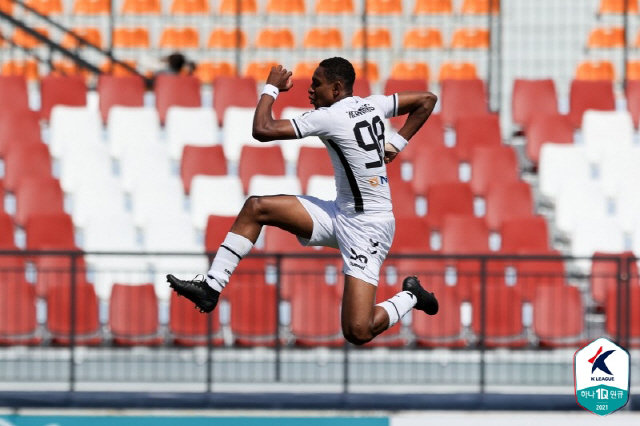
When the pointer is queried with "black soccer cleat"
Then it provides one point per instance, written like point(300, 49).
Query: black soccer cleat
point(427, 302)
point(198, 291)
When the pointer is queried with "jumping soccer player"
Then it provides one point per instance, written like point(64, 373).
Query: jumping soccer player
point(359, 222)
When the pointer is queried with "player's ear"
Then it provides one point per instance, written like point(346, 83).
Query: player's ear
point(337, 87)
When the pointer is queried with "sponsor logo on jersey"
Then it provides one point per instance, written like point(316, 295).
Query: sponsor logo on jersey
point(364, 109)
point(378, 180)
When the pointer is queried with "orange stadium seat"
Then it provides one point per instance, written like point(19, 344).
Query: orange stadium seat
point(119, 90)
point(6, 6)
point(25, 40)
point(305, 69)
point(457, 71)
point(233, 91)
point(480, 7)
point(209, 71)
point(427, 7)
point(410, 71)
point(544, 128)
point(285, 6)
point(176, 90)
point(334, 7)
point(585, 94)
point(14, 87)
point(201, 160)
point(259, 70)
point(118, 70)
point(230, 7)
point(222, 38)
point(190, 7)
point(61, 90)
point(323, 38)
point(530, 97)
point(423, 38)
point(45, 7)
point(595, 70)
point(617, 6)
point(139, 7)
point(67, 67)
point(367, 72)
point(606, 38)
point(180, 38)
point(470, 38)
point(269, 38)
point(90, 34)
point(92, 7)
point(373, 38)
point(131, 37)
point(133, 315)
point(384, 7)
point(633, 70)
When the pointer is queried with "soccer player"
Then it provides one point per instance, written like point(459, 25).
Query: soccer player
point(359, 222)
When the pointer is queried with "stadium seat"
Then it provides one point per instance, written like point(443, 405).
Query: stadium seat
point(91, 7)
point(470, 38)
point(19, 127)
point(259, 70)
point(14, 87)
point(502, 308)
point(464, 234)
point(45, 7)
point(216, 231)
point(315, 316)
point(91, 35)
point(531, 98)
point(161, 193)
point(508, 199)
point(130, 128)
point(133, 315)
point(6, 6)
point(222, 38)
point(296, 97)
point(364, 77)
point(404, 198)
point(124, 68)
point(558, 316)
point(475, 131)
point(141, 7)
point(25, 160)
point(632, 93)
point(457, 71)
point(18, 324)
point(270, 38)
point(278, 241)
point(201, 160)
point(237, 133)
point(305, 69)
point(180, 38)
point(491, 165)
point(608, 271)
point(323, 38)
point(448, 198)
point(595, 70)
point(480, 7)
point(135, 37)
point(11, 267)
point(255, 160)
point(207, 72)
point(334, 7)
point(190, 7)
point(192, 126)
point(606, 131)
point(616, 174)
point(233, 91)
point(61, 90)
point(215, 195)
point(431, 133)
point(429, 7)
point(230, 7)
point(411, 236)
point(322, 187)
point(260, 185)
point(372, 38)
point(462, 98)
point(74, 131)
point(87, 330)
point(444, 329)
point(305, 272)
point(586, 95)
point(623, 315)
point(28, 69)
point(285, 6)
point(176, 90)
point(433, 164)
point(572, 204)
point(591, 234)
point(404, 79)
point(617, 6)
point(525, 234)
point(125, 91)
point(606, 38)
point(188, 327)
point(415, 71)
point(384, 7)
point(312, 161)
point(543, 129)
point(557, 163)
point(37, 195)
point(423, 38)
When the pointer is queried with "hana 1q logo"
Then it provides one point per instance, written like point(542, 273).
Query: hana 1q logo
point(601, 376)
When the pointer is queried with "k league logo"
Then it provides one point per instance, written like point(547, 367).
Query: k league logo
point(601, 374)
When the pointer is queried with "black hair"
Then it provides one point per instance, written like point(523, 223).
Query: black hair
point(339, 69)
point(176, 61)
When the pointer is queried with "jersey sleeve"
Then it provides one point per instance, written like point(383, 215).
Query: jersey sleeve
point(312, 123)
point(389, 104)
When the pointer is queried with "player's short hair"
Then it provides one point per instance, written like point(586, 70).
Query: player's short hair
point(339, 69)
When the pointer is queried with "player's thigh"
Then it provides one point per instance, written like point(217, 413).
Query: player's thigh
point(285, 212)
point(357, 304)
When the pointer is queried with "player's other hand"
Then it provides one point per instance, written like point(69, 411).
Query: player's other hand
point(280, 77)
point(390, 153)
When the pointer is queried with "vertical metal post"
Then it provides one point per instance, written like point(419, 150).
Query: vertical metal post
point(278, 301)
point(627, 299)
point(365, 40)
point(210, 351)
point(345, 368)
point(625, 48)
point(72, 331)
point(619, 314)
point(112, 13)
point(238, 36)
point(483, 322)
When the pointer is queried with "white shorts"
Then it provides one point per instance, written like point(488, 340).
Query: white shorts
point(363, 239)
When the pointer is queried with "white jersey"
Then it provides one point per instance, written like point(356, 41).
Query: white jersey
point(353, 131)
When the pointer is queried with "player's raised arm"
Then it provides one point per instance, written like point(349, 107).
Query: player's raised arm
point(265, 128)
point(419, 106)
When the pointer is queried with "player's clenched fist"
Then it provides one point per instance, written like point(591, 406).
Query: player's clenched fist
point(280, 77)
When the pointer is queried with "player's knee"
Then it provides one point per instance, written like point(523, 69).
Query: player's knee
point(357, 334)
point(256, 206)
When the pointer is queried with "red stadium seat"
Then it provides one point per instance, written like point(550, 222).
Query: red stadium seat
point(315, 316)
point(412, 236)
point(622, 321)
point(121, 90)
point(525, 234)
point(527, 274)
point(86, 326)
point(431, 134)
point(632, 93)
point(233, 91)
point(506, 200)
point(6, 232)
point(56, 270)
point(133, 315)
point(308, 272)
point(558, 316)
point(19, 127)
point(394, 85)
point(586, 95)
point(545, 128)
point(216, 231)
point(464, 234)
point(189, 327)
point(476, 131)
point(257, 160)
point(462, 98)
point(448, 198)
point(50, 231)
point(532, 97)
point(605, 274)
point(491, 165)
point(68, 90)
point(445, 328)
point(12, 268)
point(18, 325)
point(14, 87)
point(176, 90)
point(201, 160)
point(279, 241)
point(297, 97)
point(37, 195)
point(502, 308)
point(22, 160)
point(403, 196)
point(312, 161)
point(433, 164)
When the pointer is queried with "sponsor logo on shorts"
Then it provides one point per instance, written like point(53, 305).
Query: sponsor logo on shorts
point(374, 244)
point(358, 260)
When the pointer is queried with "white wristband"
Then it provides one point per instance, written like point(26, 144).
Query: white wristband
point(398, 141)
point(271, 90)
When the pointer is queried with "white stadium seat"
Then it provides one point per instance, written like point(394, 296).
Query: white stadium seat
point(323, 187)
point(274, 185)
point(72, 127)
point(190, 126)
point(215, 195)
point(131, 126)
point(606, 130)
point(557, 162)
